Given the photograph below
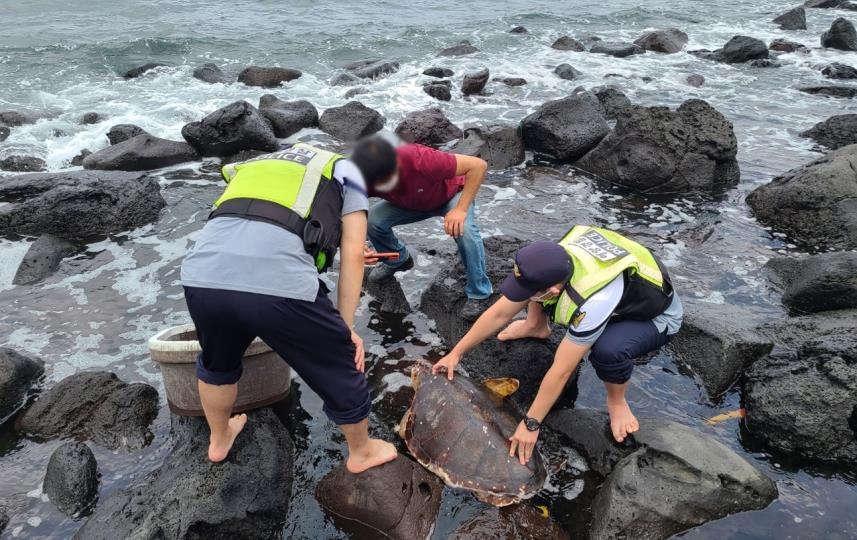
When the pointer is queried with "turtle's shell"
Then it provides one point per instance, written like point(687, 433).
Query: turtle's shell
point(460, 431)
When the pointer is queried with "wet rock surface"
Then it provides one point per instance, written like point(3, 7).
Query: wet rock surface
point(140, 70)
point(231, 129)
point(654, 149)
point(4, 133)
point(845, 92)
point(513, 81)
point(23, 164)
point(97, 406)
point(373, 69)
point(71, 480)
point(429, 127)
point(17, 118)
point(816, 203)
point(141, 153)
point(209, 73)
point(439, 90)
point(267, 77)
point(351, 121)
point(288, 117)
point(827, 4)
point(474, 83)
point(345, 79)
point(842, 35)
point(738, 50)
point(398, 500)
point(77, 161)
point(356, 92)
point(786, 46)
point(18, 375)
point(42, 259)
point(613, 101)
point(438, 72)
point(836, 70)
point(92, 118)
point(525, 360)
point(677, 479)
point(501, 146)
point(619, 49)
point(188, 497)
point(389, 295)
point(567, 72)
point(519, 522)
point(669, 479)
point(123, 132)
point(793, 19)
point(461, 49)
point(668, 41)
point(804, 401)
point(568, 43)
point(695, 80)
point(835, 132)
point(78, 204)
point(566, 128)
point(718, 342)
point(819, 282)
point(588, 430)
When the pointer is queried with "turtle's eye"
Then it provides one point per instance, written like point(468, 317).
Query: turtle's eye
point(425, 490)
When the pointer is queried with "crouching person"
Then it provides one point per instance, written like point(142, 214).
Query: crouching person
point(254, 272)
point(614, 296)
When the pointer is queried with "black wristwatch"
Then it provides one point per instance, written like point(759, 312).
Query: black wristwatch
point(532, 424)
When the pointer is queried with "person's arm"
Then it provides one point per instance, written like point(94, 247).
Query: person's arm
point(473, 169)
point(351, 264)
point(489, 323)
point(567, 358)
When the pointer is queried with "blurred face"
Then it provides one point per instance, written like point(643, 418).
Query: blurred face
point(549, 294)
point(388, 184)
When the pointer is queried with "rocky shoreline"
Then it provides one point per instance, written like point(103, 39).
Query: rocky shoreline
point(796, 375)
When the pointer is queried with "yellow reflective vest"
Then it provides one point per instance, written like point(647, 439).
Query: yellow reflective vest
point(293, 188)
point(599, 256)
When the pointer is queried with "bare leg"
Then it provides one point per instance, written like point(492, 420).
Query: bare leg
point(536, 325)
point(217, 401)
point(363, 452)
point(622, 420)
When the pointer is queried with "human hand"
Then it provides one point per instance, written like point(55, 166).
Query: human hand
point(359, 353)
point(524, 441)
point(448, 362)
point(368, 256)
point(453, 222)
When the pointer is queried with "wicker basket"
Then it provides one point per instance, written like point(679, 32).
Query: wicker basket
point(265, 379)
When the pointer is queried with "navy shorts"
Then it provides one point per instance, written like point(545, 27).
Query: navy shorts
point(613, 354)
point(310, 336)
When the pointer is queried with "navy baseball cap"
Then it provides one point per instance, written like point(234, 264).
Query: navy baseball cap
point(538, 267)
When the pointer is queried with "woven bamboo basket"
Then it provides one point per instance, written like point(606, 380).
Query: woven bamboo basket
point(264, 381)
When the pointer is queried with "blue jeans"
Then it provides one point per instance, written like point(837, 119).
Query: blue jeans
point(383, 216)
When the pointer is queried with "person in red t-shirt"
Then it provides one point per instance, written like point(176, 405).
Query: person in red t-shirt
point(418, 183)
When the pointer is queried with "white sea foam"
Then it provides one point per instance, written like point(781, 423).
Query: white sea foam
point(11, 254)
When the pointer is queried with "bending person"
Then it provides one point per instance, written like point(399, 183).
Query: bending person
point(418, 183)
point(254, 273)
point(614, 296)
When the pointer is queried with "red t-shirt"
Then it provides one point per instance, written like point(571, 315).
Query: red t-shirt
point(427, 179)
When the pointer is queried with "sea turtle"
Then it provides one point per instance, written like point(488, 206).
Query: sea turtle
point(460, 431)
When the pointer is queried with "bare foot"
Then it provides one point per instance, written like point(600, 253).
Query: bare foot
point(218, 450)
point(376, 452)
point(520, 330)
point(622, 420)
